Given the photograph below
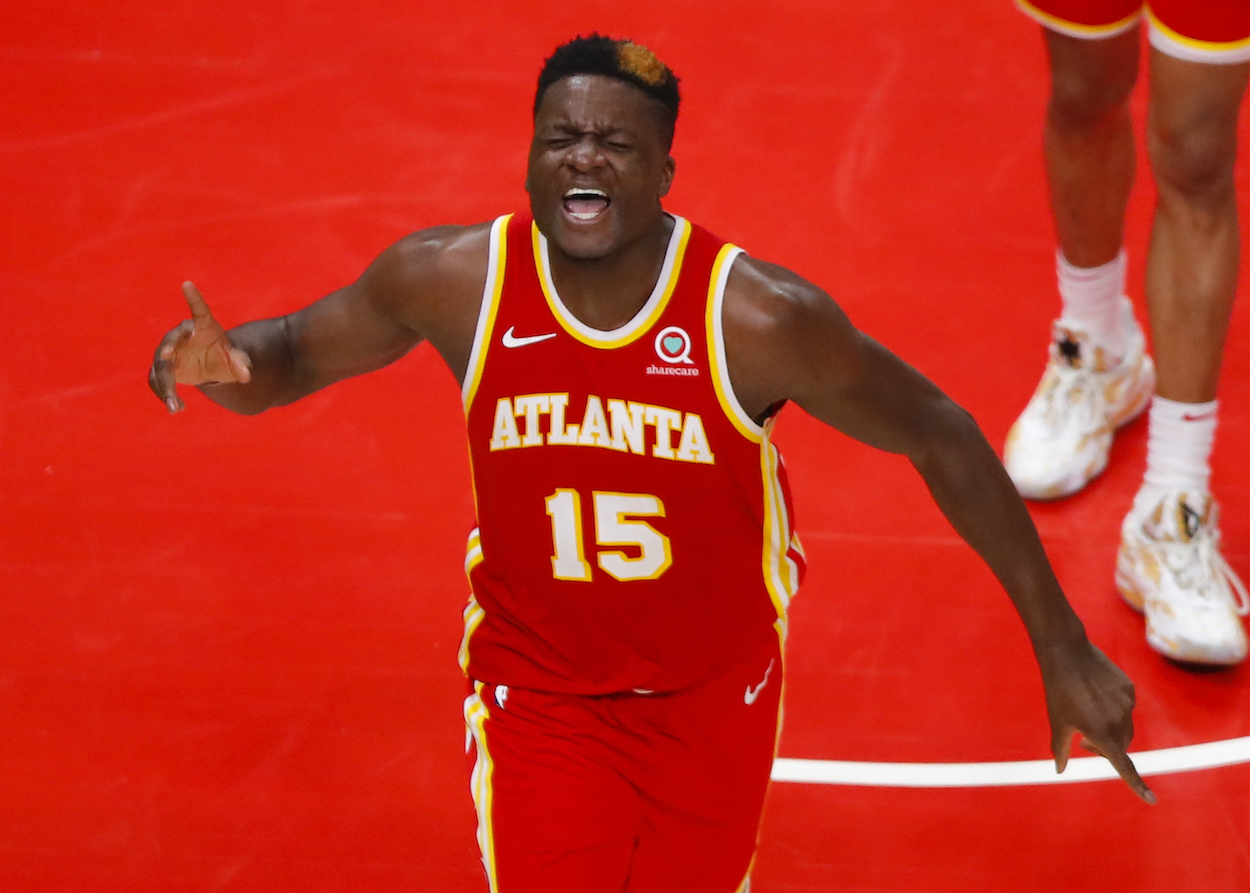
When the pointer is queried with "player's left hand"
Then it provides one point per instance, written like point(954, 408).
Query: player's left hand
point(1087, 694)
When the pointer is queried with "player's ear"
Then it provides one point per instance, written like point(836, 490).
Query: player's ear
point(670, 168)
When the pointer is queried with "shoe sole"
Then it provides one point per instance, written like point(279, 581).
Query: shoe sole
point(1128, 588)
point(1060, 491)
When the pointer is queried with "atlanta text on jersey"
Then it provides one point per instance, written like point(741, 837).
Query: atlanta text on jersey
point(625, 426)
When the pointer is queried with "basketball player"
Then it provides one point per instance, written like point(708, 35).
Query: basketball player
point(621, 370)
point(1099, 375)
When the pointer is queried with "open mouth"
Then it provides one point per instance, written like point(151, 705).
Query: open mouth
point(582, 203)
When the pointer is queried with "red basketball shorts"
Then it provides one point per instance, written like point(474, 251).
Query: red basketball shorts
point(630, 793)
point(1213, 31)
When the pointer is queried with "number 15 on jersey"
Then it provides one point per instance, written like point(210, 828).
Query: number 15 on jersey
point(616, 524)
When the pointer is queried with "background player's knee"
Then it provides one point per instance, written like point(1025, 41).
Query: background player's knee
point(1090, 80)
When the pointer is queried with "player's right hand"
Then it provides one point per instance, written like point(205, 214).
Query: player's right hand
point(1087, 694)
point(196, 352)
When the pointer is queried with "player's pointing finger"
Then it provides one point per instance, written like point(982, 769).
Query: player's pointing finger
point(196, 303)
point(1061, 747)
point(1124, 765)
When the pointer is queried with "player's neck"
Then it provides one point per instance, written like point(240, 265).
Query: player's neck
point(607, 292)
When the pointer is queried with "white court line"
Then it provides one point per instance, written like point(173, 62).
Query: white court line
point(975, 775)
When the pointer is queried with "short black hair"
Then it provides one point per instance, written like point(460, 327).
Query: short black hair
point(624, 60)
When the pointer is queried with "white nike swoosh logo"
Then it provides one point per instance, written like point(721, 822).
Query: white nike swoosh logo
point(753, 693)
point(511, 340)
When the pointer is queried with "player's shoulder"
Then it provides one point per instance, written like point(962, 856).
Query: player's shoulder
point(442, 252)
point(448, 236)
point(782, 333)
point(430, 265)
point(766, 294)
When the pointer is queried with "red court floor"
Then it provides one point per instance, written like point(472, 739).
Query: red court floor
point(227, 645)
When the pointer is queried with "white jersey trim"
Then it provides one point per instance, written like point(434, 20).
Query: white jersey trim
point(647, 314)
point(1176, 45)
point(481, 780)
point(1074, 29)
point(746, 425)
point(495, 268)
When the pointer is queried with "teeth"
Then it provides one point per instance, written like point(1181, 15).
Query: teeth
point(580, 191)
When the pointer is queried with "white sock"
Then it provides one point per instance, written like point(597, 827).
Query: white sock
point(1178, 450)
point(1093, 302)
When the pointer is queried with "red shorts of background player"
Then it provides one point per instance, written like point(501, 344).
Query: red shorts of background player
point(1212, 31)
point(629, 793)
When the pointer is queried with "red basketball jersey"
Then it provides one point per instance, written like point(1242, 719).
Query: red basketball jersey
point(634, 524)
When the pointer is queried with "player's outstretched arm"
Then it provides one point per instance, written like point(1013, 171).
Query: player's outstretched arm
point(423, 287)
point(786, 339)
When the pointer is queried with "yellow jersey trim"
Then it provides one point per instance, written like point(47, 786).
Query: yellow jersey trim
point(495, 267)
point(643, 320)
point(481, 781)
point(729, 404)
point(473, 613)
point(781, 574)
point(1201, 50)
point(1075, 29)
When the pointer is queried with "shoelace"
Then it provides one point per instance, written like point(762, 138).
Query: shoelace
point(1198, 566)
point(1074, 397)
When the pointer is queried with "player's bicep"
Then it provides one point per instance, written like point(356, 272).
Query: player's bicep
point(374, 321)
point(794, 343)
point(875, 397)
point(348, 332)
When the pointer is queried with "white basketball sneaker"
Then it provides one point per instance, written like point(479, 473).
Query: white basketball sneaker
point(1061, 441)
point(1170, 568)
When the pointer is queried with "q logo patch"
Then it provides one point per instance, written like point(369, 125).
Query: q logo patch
point(672, 345)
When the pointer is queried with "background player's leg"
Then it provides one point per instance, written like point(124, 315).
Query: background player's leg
point(1098, 376)
point(1088, 143)
point(1169, 565)
point(1191, 268)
